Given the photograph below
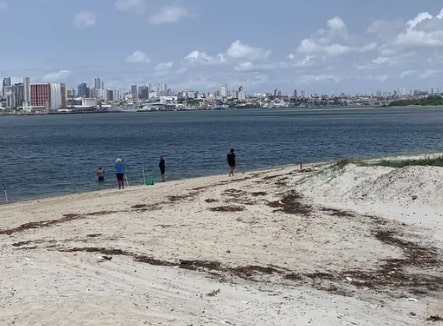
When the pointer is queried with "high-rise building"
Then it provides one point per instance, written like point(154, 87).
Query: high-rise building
point(6, 83)
point(134, 92)
point(13, 96)
point(98, 84)
point(97, 92)
point(19, 91)
point(82, 90)
point(117, 94)
point(108, 95)
point(143, 92)
point(40, 95)
point(70, 93)
point(49, 96)
point(241, 94)
point(58, 96)
point(224, 90)
point(26, 91)
point(163, 87)
point(9, 96)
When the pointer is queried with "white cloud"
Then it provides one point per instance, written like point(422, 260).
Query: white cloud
point(337, 27)
point(422, 31)
point(381, 60)
point(308, 79)
point(386, 31)
point(420, 39)
point(238, 50)
point(235, 53)
point(84, 19)
point(386, 61)
point(417, 20)
point(198, 57)
point(408, 73)
point(137, 6)
point(332, 41)
point(56, 76)
point(164, 65)
point(306, 61)
point(302, 62)
point(138, 57)
point(249, 66)
point(308, 46)
point(244, 66)
point(169, 15)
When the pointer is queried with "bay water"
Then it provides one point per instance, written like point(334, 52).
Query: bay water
point(46, 155)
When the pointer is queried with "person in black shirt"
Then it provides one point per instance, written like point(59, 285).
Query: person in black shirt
point(162, 167)
point(231, 161)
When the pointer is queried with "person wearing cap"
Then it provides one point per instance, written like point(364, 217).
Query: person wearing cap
point(101, 174)
point(119, 167)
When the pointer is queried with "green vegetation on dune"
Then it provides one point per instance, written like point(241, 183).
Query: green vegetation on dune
point(398, 163)
point(427, 161)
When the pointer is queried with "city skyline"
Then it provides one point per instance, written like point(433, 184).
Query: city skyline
point(316, 46)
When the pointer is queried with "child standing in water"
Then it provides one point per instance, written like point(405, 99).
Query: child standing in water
point(101, 174)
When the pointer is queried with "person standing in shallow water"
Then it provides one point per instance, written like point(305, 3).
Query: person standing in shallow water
point(101, 174)
point(231, 159)
point(162, 166)
point(119, 167)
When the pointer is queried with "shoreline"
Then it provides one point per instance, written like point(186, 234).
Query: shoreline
point(157, 182)
point(268, 168)
point(325, 246)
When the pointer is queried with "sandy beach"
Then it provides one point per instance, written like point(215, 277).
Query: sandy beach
point(322, 245)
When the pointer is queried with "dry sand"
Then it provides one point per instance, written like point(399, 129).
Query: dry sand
point(322, 246)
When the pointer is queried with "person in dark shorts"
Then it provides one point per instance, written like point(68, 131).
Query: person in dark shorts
point(231, 159)
point(162, 166)
point(119, 167)
point(101, 174)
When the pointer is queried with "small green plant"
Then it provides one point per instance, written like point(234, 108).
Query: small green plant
point(213, 293)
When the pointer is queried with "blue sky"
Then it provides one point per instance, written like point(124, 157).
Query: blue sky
point(322, 46)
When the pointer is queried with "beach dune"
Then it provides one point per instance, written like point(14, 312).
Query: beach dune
point(323, 245)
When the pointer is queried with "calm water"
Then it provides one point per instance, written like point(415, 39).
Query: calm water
point(47, 155)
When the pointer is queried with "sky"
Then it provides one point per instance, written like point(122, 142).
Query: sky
point(316, 46)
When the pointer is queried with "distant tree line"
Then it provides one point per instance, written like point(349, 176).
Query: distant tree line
point(430, 100)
